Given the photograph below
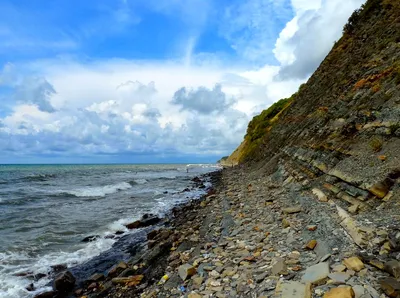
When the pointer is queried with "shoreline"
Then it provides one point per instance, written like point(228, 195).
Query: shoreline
point(135, 243)
point(257, 234)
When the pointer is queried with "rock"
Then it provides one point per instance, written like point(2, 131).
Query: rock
point(64, 282)
point(353, 263)
point(353, 209)
point(259, 278)
point(390, 286)
point(285, 223)
point(311, 244)
point(151, 235)
point(320, 195)
point(96, 277)
point(377, 264)
point(339, 268)
point(292, 289)
point(147, 220)
point(342, 292)
point(194, 295)
point(316, 273)
point(49, 294)
point(393, 268)
point(133, 280)
point(359, 291)
point(291, 210)
point(90, 238)
point(311, 228)
point(30, 288)
point(186, 271)
point(115, 270)
point(278, 267)
point(339, 277)
point(58, 268)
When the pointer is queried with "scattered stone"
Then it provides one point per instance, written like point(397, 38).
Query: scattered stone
point(377, 264)
point(194, 295)
point(292, 289)
point(312, 228)
point(278, 267)
point(316, 273)
point(96, 277)
point(311, 244)
point(353, 263)
point(342, 292)
point(291, 210)
point(339, 277)
point(147, 220)
point(285, 223)
point(320, 195)
point(339, 268)
point(131, 280)
point(186, 271)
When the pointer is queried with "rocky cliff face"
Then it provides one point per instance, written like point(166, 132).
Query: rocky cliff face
point(344, 124)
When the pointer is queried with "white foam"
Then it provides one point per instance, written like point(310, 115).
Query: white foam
point(140, 181)
point(100, 191)
point(12, 286)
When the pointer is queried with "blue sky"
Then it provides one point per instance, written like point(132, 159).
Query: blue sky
point(150, 80)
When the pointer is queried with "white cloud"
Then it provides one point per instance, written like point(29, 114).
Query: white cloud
point(308, 38)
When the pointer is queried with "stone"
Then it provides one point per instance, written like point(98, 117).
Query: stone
point(278, 266)
point(285, 223)
point(64, 282)
point(377, 264)
point(147, 220)
point(339, 277)
point(115, 270)
point(194, 295)
point(353, 208)
point(342, 292)
point(320, 195)
point(292, 289)
point(291, 210)
point(90, 238)
point(186, 271)
point(390, 286)
point(339, 268)
point(359, 291)
point(311, 244)
point(393, 268)
point(133, 280)
point(312, 228)
point(353, 263)
point(96, 277)
point(316, 273)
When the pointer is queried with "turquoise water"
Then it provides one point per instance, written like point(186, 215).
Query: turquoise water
point(46, 210)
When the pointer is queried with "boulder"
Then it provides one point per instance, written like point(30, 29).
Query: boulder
point(64, 282)
point(186, 271)
point(58, 268)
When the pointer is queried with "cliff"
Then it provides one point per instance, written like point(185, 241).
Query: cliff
point(345, 121)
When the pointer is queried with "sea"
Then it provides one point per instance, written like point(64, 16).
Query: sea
point(47, 210)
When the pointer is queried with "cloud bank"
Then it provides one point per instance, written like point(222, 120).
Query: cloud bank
point(68, 109)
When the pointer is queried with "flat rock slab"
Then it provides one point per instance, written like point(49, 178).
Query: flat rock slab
point(316, 273)
point(343, 292)
point(292, 289)
point(339, 277)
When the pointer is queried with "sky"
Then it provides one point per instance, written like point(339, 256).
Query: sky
point(150, 81)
